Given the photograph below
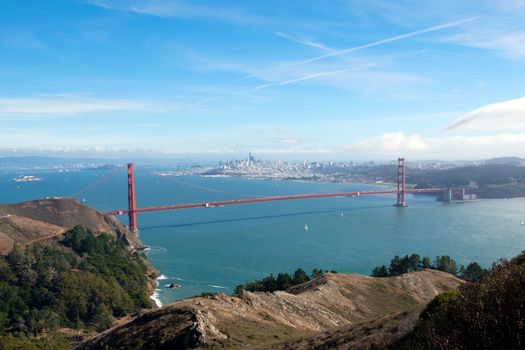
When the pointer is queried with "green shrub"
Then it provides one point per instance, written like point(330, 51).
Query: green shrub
point(283, 281)
point(481, 315)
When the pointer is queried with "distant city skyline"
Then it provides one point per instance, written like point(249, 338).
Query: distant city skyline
point(330, 80)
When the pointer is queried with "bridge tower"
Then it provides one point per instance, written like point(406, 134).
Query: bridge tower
point(401, 182)
point(132, 207)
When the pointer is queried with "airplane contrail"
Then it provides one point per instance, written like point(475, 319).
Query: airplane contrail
point(340, 53)
point(286, 82)
point(313, 76)
point(380, 42)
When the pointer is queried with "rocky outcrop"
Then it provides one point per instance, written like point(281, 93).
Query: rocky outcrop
point(323, 310)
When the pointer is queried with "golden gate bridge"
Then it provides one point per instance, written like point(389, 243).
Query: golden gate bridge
point(132, 211)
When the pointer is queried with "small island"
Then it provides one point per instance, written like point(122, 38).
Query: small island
point(27, 178)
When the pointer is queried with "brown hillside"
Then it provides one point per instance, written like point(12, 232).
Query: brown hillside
point(332, 304)
point(23, 230)
point(44, 218)
point(380, 333)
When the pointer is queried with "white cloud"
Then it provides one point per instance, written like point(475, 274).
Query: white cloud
point(506, 115)
point(66, 105)
point(456, 147)
point(510, 44)
point(392, 142)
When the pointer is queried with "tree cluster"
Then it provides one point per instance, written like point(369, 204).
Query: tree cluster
point(400, 265)
point(488, 314)
point(47, 286)
point(283, 281)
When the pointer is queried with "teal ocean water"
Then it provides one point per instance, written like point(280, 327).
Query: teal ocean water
point(215, 249)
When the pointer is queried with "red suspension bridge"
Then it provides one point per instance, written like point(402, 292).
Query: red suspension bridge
point(133, 210)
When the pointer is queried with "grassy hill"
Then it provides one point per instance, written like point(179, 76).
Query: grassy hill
point(327, 303)
point(27, 222)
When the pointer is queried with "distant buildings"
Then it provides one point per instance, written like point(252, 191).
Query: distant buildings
point(458, 194)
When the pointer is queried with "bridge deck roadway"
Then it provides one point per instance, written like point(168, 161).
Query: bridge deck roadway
point(269, 199)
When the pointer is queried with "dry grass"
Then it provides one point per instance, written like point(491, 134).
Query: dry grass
point(337, 309)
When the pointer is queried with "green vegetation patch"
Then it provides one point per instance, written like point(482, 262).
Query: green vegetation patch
point(13, 343)
point(480, 315)
point(48, 286)
point(283, 281)
point(400, 265)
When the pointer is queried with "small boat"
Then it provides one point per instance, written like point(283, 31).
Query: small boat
point(522, 223)
point(305, 227)
point(342, 214)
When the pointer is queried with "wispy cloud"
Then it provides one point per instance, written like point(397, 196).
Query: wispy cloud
point(270, 74)
point(506, 115)
point(502, 30)
point(286, 82)
point(311, 76)
point(510, 44)
point(304, 41)
point(67, 105)
point(400, 37)
point(177, 9)
point(346, 51)
point(501, 24)
point(314, 76)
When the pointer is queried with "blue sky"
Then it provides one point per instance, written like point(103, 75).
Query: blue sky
point(341, 79)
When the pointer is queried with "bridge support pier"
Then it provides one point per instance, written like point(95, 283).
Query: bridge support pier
point(401, 183)
point(132, 207)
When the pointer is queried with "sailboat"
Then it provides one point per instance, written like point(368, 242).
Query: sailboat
point(305, 227)
point(342, 214)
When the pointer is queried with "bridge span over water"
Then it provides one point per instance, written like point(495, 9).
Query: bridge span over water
point(132, 211)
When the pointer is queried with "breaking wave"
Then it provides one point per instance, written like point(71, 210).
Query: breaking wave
point(216, 286)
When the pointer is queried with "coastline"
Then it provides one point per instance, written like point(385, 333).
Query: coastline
point(155, 295)
point(155, 298)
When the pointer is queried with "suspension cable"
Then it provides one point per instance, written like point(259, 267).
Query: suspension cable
point(174, 179)
point(104, 178)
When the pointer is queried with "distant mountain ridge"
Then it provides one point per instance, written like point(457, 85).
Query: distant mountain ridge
point(517, 161)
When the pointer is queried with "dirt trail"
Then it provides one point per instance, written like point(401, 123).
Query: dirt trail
point(61, 232)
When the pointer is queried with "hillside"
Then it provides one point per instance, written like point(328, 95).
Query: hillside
point(327, 304)
point(31, 221)
point(484, 315)
point(61, 290)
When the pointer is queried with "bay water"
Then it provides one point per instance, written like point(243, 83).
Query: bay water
point(215, 249)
